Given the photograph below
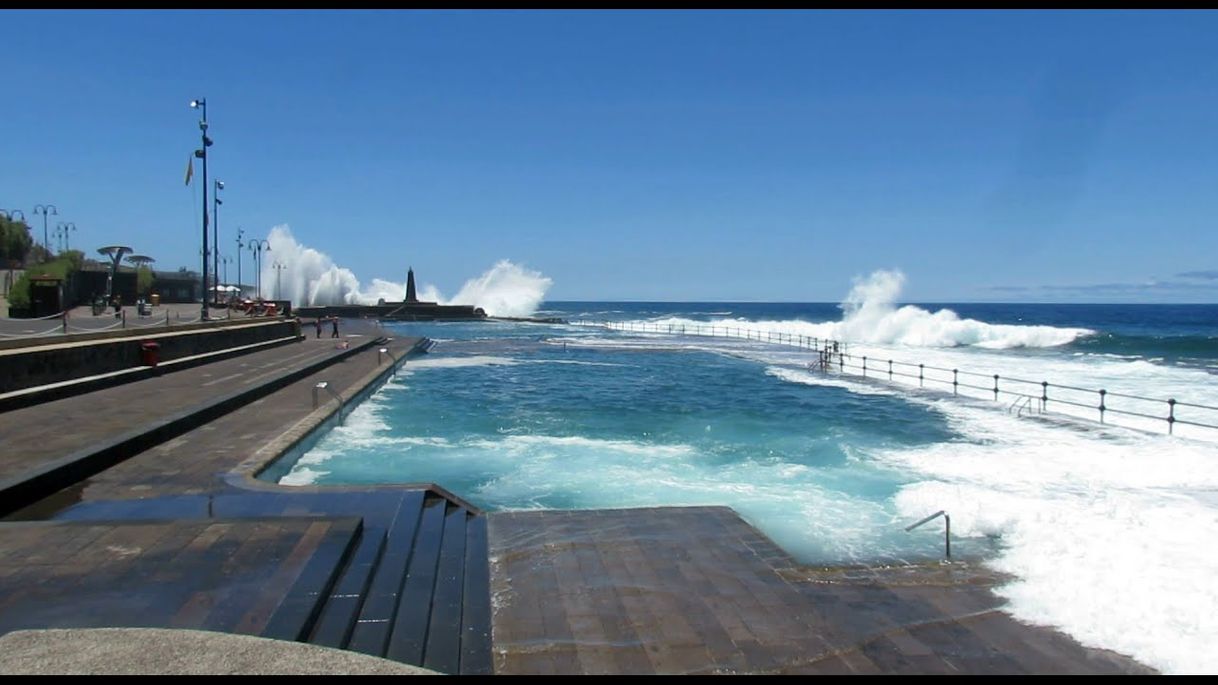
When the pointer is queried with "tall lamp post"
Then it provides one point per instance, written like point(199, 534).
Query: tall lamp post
point(62, 229)
point(215, 232)
point(257, 246)
point(44, 210)
point(201, 153)
point(279, 279)
point(240, 288)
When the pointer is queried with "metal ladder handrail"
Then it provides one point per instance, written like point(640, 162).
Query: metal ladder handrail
point(386, 350)
point(947, 533)
point(325, 385)
point(1021, 403)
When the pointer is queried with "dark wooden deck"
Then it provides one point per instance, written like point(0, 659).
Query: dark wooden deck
point(698, 591)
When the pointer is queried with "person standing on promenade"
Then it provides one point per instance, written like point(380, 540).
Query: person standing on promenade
point(334, 331)
point(317, 323)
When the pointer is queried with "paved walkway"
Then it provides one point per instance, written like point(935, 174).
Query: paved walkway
point(199, 460)
point(696, 590)
point(37, 435)
point(227, 575)
point(82, 320)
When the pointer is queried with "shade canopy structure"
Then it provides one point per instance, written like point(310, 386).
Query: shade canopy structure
point(115, 253)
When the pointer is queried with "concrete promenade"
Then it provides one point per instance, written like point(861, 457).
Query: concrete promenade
point(35, 437)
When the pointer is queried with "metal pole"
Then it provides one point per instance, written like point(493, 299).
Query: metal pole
point(215, 235)
point(203, 129)
point(947, 533)
point(240, 232)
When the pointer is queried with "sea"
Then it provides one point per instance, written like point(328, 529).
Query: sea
point(1103, 519)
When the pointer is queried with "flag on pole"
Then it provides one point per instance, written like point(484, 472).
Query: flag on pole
point(190, 168)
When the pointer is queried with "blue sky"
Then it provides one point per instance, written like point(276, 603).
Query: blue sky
point(770, 156)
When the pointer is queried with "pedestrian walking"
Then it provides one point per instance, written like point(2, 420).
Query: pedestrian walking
point(334, 330)
point(318, 324)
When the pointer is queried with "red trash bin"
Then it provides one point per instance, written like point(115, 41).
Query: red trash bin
point(149, 352)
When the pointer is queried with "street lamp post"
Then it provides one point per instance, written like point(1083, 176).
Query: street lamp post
point(62, 229)
point(240, 288)
point(257, 246)
point(225, 259)
point(215, 232)
point(279, 279)
point(201, 153)
point(44, 210)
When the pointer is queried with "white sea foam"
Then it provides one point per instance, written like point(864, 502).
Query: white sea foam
point(310, 277)
point(533, 443)
point(570, 362)
point(506, 289)
point(1106, 533)
point(302, 475)
point(457, 362)
point(805, 377)
point(797, 510)
point(871, 316)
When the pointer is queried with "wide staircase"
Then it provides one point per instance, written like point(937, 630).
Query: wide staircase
point(415, 591)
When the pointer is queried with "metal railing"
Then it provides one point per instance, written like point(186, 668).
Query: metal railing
point(1089, 404)
point(947, 532)
point(714, 331)
point(325, 385)
point(391, 355)
point(1022, 395)
point(65, 324)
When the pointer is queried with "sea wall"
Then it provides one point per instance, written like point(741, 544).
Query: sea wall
point(54, 360)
